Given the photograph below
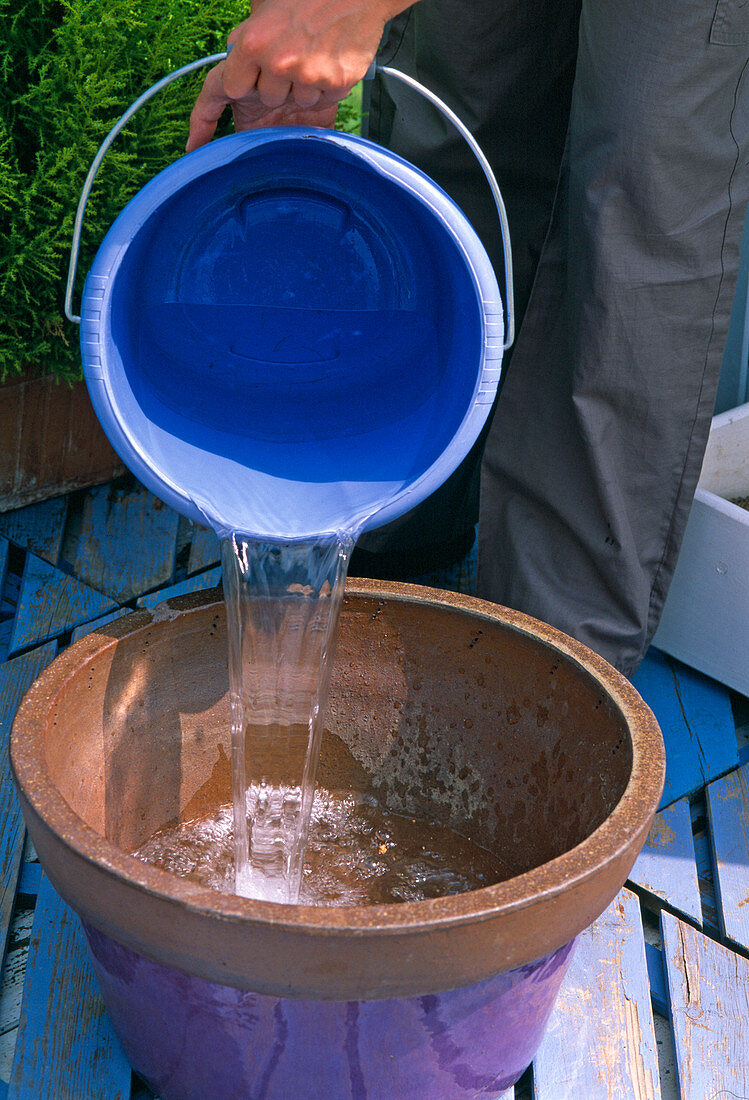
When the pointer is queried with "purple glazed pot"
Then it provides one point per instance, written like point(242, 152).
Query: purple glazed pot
point(190, 1039)
point(445, 707)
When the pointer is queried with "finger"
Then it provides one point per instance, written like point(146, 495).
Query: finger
point(304, 95)
point(239, 73)
point(273, 90)
point(335, 95)
point(209, 106)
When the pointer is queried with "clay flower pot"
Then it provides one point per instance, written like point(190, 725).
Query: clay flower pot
point(52, 441)
point(450, 708)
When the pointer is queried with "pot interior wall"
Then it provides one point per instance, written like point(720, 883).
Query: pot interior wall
point(445, 714)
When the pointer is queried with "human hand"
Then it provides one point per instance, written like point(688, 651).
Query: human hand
point(292, 62)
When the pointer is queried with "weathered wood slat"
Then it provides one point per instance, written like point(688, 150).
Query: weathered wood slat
point(708, 602)
point(704, 858)
point(29, 878)
point(15, 677)
point(600, 1042)
point(696, 720)
point(707, 609)
point(204, 549)
point(51, 440)
point(666, 868)
point(66, 1049)
point(708, 989)
point(38, 528)
point(12, 988)
point(8, 597)
point(127, 541)
point(209, 579)
point(51, 603)
point(94, 624)
point(728, 811)
point(4, 548)
point(657, 978)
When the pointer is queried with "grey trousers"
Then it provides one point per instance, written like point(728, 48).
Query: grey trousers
point(620, 137)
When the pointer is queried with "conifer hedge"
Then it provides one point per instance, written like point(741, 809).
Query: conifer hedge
point(69, 69)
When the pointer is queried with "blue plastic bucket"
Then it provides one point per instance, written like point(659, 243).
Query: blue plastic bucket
point(292, 331)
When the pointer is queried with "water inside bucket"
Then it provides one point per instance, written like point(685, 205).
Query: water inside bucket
point(301, 321)
point(228, 366)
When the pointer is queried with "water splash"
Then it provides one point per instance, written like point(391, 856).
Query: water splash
point(357, 853)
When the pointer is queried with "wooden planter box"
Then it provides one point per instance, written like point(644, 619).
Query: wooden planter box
point(50, 441)
point(705, 621)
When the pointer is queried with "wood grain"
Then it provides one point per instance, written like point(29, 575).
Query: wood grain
point(66, 1049)
point(127, 542)
point(94, 624)
point(12, 988)
point(204, 549)
point(708, 989)
point(600, 1043)
point(4, 548)
point(52, 441)
point(38, 528)
point(51, 603)
point(196, 583)
point(15, 678)
point(728, 810)
point(708, 602)
point(696, 721)
point(666, 869)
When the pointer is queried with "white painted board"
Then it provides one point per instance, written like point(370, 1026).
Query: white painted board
point(705, 621)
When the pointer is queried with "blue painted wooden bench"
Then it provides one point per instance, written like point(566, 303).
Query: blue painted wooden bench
point(656, 1003)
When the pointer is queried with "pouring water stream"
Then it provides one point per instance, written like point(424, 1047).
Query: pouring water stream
point(282, 601)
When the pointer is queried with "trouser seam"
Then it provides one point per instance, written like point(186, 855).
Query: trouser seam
point(657, 599)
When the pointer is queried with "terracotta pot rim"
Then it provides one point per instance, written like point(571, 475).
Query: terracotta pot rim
point(606, 844)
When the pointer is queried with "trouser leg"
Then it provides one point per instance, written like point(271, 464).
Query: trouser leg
point(506, 68)
point(597, 441)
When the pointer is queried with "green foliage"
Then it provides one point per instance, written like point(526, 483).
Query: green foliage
point(70, 68)
point(350, 112)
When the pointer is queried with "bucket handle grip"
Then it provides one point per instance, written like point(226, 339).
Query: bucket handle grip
point(96, 165)
point(386, 70)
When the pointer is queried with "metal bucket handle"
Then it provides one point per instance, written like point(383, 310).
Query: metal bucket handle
point(374, 68)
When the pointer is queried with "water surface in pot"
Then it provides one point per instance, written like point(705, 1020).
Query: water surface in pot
point(356, 853)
